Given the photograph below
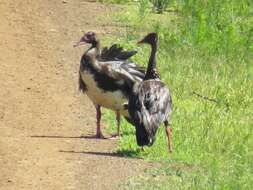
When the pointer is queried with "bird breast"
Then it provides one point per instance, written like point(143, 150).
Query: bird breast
point(114, 100)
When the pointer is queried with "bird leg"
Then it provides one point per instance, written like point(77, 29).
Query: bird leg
point(118, 124)
point(98, 110)
point(168, 131)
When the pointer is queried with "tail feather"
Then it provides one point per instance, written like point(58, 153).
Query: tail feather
point(129, 120)
point(143, 137)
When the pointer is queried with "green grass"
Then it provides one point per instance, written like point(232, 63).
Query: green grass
point(205, 47)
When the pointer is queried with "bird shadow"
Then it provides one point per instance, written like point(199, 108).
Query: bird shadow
point(110, 154)
point(68, 137)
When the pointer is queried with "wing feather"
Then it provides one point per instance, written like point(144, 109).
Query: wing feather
point(114, 63)
point(115, 52)
point(118, 70)
point(149, 107)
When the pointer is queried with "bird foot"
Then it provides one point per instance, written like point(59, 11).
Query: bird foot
point(115, 136)
point(100, 136)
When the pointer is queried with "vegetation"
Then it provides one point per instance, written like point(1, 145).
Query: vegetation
point(160, 5)
point(205, 57)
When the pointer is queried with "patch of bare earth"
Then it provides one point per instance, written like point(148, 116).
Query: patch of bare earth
point(42, 115)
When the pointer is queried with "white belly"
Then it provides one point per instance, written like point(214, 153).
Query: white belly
point(112, 100)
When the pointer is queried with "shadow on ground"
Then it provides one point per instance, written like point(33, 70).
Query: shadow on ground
point(134, 154)
point(111, 154)
point(68, 137)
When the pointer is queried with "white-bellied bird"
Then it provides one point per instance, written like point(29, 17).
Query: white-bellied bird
point(107, 77)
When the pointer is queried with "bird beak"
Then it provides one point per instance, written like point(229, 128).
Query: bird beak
point(140, 42)
point(81, 42)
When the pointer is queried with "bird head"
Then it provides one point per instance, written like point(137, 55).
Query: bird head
point(89, 37)
point(151, 38)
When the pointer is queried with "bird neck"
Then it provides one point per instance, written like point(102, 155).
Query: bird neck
point(151, 70)
point(96, 46)
point(91, 55)
point(94, 51)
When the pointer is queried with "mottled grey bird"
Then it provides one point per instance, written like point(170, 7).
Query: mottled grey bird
point(150, 103)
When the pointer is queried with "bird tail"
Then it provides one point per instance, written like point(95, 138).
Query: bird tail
point(144, 136)
point(128, 119)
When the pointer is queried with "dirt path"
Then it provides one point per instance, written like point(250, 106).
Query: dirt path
point(39, 97)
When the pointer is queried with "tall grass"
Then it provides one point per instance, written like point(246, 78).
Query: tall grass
point(160, 5)
point(206, 48)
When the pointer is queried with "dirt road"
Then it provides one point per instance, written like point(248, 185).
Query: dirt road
point(42, 115)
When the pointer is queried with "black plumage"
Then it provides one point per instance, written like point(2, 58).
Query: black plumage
point(115, 52)
point(150, 104)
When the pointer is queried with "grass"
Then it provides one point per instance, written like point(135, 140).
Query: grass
point(206, 48)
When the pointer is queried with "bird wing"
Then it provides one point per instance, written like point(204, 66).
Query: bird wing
point(156, 101)
point(82, 86)
point(123, 71)
point(149, 107)
point(115, 52)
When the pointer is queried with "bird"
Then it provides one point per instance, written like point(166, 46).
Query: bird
point(107, 77)
point(150, 103)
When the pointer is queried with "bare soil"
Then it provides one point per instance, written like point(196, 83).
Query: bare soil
point(45, 123)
